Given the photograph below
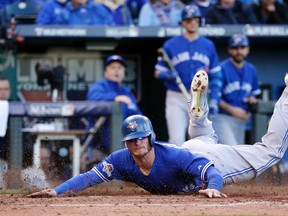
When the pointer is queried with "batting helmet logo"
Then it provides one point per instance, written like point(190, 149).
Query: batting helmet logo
point(132, 126)
point(191, 11)
point(238, 40)
point(137, 126)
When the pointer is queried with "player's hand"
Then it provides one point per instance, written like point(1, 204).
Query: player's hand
point(212, 193)
point(239, 113)
point(43, 194)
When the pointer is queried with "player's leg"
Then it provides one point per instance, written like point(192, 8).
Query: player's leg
point(243, 162)
point(203, 143)
point(177, 118)
point(271, 149)
point(200, 127)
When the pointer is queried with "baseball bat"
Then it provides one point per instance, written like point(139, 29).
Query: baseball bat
point(173, 69)
point(91, 133)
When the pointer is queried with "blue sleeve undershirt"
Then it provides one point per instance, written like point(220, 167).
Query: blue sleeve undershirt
point(214, 178)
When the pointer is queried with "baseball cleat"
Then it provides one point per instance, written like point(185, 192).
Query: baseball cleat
point(198, 92)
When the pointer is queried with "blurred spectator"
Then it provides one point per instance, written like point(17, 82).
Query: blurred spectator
point(5, 92)
point(110, 88)
point(270, 12)
point(203, 5)
point(230, 12)
point(118, 10)
point(24, 11)
point(135, 7)
point(50, 12)
point(161, 13)
point(85, 12)
point(3, 3)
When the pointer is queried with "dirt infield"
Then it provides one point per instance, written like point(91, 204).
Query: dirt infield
point(124, 199)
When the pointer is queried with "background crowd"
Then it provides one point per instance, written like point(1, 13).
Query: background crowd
point(144, 12)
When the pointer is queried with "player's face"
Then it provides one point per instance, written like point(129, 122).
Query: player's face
point(139, 147)
point(4, 90)
point(238, 54)
point(115, 72)
point(191, 25)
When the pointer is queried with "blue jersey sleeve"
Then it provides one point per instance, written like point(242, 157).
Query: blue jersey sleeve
point(203, 171)
point(214, 178)
point(114, 166)
point(79, 182)
point(103, 172)
point(99, 92)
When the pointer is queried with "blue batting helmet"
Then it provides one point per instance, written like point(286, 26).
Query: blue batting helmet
point(237, 40)
point(137, 126)
point(191, 11)
point(116, 58)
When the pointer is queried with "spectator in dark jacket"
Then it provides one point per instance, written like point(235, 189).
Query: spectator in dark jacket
point(50, 12)
point(270, 12)
point(230, 12)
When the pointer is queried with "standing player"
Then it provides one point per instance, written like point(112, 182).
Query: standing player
point(240, 88)
point(189, 53)
point(167, 169)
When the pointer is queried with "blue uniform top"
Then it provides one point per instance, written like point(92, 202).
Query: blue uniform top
point(50, 13)
point(88, 14)
point(174, 171)
point(188, 57)
point(107, 90)
point(238, 84)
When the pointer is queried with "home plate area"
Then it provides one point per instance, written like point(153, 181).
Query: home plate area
point(125, 199)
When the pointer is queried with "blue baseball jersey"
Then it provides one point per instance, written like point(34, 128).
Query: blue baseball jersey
point(238, 84)
point(174, 171)
point(188, 57)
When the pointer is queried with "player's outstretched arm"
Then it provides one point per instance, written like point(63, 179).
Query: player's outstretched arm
point(212, 193)
point(74, 184)
point(43, 193)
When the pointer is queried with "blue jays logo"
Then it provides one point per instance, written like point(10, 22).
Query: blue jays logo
point(108, 168)
point(192, 10)
point(132, 125)
point(237, 39)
